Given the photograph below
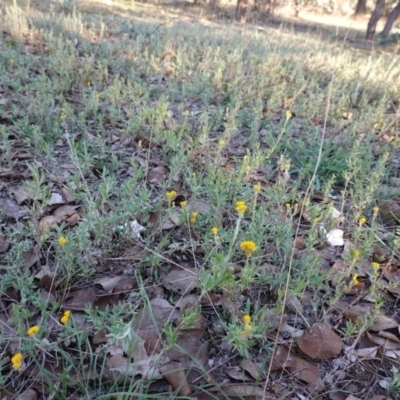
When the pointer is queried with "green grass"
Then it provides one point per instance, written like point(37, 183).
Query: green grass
point(95, 101)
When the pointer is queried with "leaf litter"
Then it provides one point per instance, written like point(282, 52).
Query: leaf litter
point(197, 355)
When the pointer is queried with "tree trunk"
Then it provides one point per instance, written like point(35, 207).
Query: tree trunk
point(390, 21)
point(361, 8)
point(241, 8)
point(376, 15)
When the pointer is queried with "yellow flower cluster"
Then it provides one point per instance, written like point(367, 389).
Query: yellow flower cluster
point(241, 207)
point(193, 217)
point(248, 247)
point(62, 241)
point(214, 230)
point(362, 221)
point(356, 279)
point(170, 196)
point(247, 325)
point(65, 317)
point(16, 361)
point(257, 188)
point(183, 203)
point(33, 330)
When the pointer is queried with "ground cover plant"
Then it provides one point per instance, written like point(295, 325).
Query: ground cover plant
point(194, 209)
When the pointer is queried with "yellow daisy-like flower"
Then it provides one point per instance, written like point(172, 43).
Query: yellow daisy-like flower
point(288, 114)
point(16, 361)
point(375, 265)
point(222, 142)
point(362, 220)
point(33, 330)
point(247, 329)
point(375, 209)
point(246, 319)
point(171, 195)
point(183, 203)
point(65, 317)
point(214, 230)
point(62, 240)
point(193, 217)
point(241, 207)
point(257, 188)
point(248, 247)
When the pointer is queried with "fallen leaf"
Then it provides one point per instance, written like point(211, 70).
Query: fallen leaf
point(174, 219)
point(181, 280)
point(79, 299)
point(335, 237)
point(29, 258)
point(382, 323)
point(320, 342)
point(157, 175)
point(237, 373)
point(244, 390)
point(251, 368)
point(55, 198)
point(21, 194)
point(385, 343)
point(389, 211)
point(4, 244)
point(29, 394)
point(176, 376)
point(108, 283)
point(48, 222)
point(12, 209)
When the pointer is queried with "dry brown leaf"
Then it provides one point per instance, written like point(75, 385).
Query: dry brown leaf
point(367, 352)
point(201, 206)
point(251, 368)
point(389, 211)
point(237, 374)
point(55, 198)
point(21, 194)
point(157, 175)
point(4, 244)
point(382, 323)
point(351, 397)
point(282, 358)
point(181, 280)
point(29, 258)
point(320, 342)
point(47, 223)
point(176, 376)
point(14, 174)
point(79, 299)
point(12, 209)
point(248, 391)
point(174, 219)
point(29, 394)
point(108, 283)
point(385, 343)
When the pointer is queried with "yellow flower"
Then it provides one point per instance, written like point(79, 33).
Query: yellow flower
point(62, 240)
point(241, 207)
point(356, 254)
point(16, 361)
point(375, 265)
point(171, 196)
point(193, 217)
point(288, 114)
point(246, 319)
point(221, 142)
point(33, 330)
point(257, 188)
point(183, 203)
point(362, 220)
point(65, 317)
point(248, 247)
point(214, 230)
point(355, 280)
point(375, 209)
